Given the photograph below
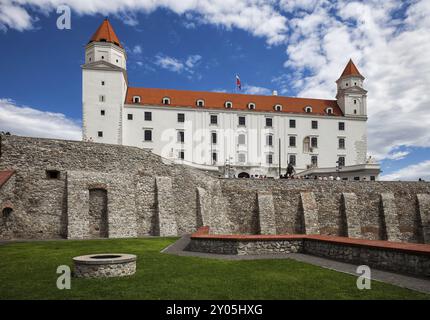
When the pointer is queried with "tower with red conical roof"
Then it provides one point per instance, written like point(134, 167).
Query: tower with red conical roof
point(104, 86)
point(351, 96)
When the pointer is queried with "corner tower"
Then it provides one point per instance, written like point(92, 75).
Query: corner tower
point(351, 96)
point(104, 86)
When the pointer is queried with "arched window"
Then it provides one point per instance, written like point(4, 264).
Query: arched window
point(278, 107)
point(251, 106)
point(306, 145)
point(329, 110)
point(308, 109)
point(166, 100)
point(136, 99)
point(229, 104)
point(200, 103)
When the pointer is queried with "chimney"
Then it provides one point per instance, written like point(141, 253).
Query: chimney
point(275, 93)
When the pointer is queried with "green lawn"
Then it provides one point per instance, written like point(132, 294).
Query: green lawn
point(28, 271)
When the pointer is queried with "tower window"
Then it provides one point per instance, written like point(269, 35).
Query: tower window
point(103, 83)
point(341, 161)
point(166, 100)
point(181, 136)
point(308, 109)
point(103, 57)
point(102, 112)
point(341, 126)
point(314, 142)
point(100, 134)
point(136, 99)
point(148, 135)
point(200, 103)
point(269, 122)
point(102, 98)
point(130, 116)
point(341, 143)
point(355, 111)
point(269, 158)
point(214, 138)
point(292, 123)
point(52, 174)
point(182, 154)
point(355, 101)
point(148, 116)
point(269, 140)
point(355, 83)
point(278, 107)
point(181, 117)
point(314, 124)
point(292, 159)
point(329, 110)
point(346, 84)
point(314, 161)
point(228, 104)
point(251, 106)
point(242, 121)
point(214, 157)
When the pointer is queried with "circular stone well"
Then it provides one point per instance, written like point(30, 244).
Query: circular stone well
point(105, 265)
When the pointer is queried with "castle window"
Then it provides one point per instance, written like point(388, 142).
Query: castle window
point(166, 100)
point(129, 116)
point(355, 83)
point(251, 106)
point(314, 161)
point(278, 107)
point(341, 143)
point(148, 116)
point(341, 161)
point(355, 101)
point(214, 157)
point(102, 112)
point(148, 135)
point(269, 158)
point(241, 139)
point(346, 84)
point(7, 212)
point(269, 140)
point(103, 83)
point(200, 103)
point(182, 154)
point(314, 124)
point(292, 159)
point(314, 142)
point(342, 126)
point(241, 158)
point(269, 122)
point(181, 117)
point(308, 109)
point(181, 136)
point(292, 140)
point(229, 104)
point(214, 138)
point(116, 60)
point(52, 174)
point(102, 98)
point(242, 121)
point(306, 145)
point(329, 110)
point(103, 57)
point(355, 111)
point(214, 119)
point(292, 123)
point(136, 99)
point(100, 134)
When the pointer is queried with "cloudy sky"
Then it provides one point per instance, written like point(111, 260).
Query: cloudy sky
point(296, 47)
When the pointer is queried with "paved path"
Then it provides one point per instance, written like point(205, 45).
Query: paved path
point(404, 281)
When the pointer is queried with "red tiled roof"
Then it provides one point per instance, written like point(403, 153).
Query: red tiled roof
point(105, 33)
point(350, 70)
point(216, 100)
point(5, 176)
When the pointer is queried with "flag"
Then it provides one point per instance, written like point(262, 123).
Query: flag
point(238, 84)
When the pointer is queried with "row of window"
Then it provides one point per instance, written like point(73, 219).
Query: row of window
point(229, 105)
point(241, 120)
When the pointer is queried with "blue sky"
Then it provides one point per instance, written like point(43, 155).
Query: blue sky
point(296, 47)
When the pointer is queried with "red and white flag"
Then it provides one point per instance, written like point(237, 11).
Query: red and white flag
point(238, 83)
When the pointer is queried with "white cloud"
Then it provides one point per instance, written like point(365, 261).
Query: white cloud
point(410, 173)
point(26, 121)
point(176, 65)
point(137, 49)
point(397, 155)
point(256, 90)
point(259, 17)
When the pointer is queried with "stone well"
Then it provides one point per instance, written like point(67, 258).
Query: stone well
point(105, 265)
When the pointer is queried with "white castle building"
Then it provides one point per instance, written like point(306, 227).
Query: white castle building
point(247, 134)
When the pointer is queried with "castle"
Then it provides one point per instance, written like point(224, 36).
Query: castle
point(251, 134)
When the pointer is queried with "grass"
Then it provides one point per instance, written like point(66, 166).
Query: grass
point(28, 271)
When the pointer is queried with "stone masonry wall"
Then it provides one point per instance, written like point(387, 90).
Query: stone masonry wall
point(47, 207)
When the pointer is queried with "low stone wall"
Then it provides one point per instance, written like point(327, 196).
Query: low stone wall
point(96, 266)
point(392, 256)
